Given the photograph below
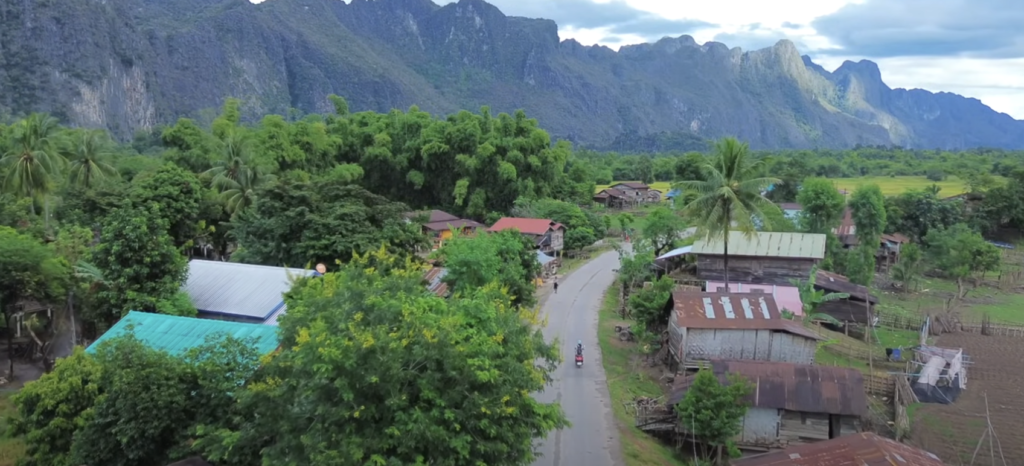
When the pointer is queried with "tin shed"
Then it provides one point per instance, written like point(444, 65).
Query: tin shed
point(852, 450)
point(791, 404)
point(768, 258)
point(721, 325)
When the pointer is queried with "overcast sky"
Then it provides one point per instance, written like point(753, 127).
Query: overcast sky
point(971, 48)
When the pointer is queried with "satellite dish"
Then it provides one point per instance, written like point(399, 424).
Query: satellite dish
point(321, 268)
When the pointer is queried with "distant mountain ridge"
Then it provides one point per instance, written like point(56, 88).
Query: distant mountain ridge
point(132, 64)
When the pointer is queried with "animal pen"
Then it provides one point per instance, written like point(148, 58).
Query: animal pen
point(941, 374)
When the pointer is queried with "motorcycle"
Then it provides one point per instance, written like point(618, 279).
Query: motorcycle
point(579, 360)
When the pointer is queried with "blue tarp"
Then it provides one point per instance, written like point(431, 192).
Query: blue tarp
point(544, 258)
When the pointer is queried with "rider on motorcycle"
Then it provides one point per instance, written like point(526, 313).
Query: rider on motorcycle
point(579, 347)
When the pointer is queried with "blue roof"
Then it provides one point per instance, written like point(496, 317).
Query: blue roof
point(176, 335)
point(674, 193)
point(544, 258)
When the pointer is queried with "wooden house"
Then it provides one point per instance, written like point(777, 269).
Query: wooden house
point(865, 448)
point(547, 234)
point(767, 258)
point(790, 404)
point(635, 190)
point(441, 226)
point(614, 199)
point(854, 309)
point(720, 325)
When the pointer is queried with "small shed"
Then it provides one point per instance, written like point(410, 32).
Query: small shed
point(176, 334)
point(721, 325)
point(768, 258)
point(854, 309)
point(240, 292)
point(866, 448)
point(791, 404)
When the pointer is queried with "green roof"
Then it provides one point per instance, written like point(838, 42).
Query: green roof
point(766, 244)
point(177, 335)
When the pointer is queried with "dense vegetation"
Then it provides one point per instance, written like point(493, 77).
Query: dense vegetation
point(102, 228)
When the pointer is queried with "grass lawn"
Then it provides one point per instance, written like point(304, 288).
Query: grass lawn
point(11, 449)
point(1002, 307)
point(893, 186)
point(638, 448)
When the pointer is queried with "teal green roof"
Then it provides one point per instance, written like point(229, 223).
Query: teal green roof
point(177, 335)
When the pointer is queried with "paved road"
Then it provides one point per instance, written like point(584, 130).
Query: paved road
point(583, 392)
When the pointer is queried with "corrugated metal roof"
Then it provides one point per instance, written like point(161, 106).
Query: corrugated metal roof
point(786, 297)
point(835, 283)
point(432, 216)
point(434, 277)
point(753, 310)
point(452, 224)
point(846, 225)
point(863, 449)
point(239, 290)
point(766, 244)
point(177, 335)
point(676, 252)
point(530, 226)
point(632, 184)
point(793, 387)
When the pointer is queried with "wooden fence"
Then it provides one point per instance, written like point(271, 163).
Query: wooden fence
point(879, 384)
point(982, 326)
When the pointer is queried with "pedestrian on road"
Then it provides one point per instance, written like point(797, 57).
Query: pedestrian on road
point(556, 286)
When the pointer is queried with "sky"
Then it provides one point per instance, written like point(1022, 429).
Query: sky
point(974, 49)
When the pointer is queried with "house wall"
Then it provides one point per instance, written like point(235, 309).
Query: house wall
point(760, 270)
point(557, 238)
point(846, 310)
point(690, 346)
point(770, 428)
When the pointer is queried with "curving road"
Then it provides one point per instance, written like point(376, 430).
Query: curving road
point(583, 392)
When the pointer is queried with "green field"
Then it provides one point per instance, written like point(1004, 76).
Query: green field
point(891, 186)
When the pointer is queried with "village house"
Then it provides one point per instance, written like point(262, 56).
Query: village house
point(176, 335)
point(790, 404)
point(855, 309)
point(240, 292)
point(547, 234)
point(441, 226)
point(615, 199)
point(866, 448)
point(768, 258)
point(634, 190)
point(717, 325)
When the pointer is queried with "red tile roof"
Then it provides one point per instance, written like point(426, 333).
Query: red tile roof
point(863, 449)
point(530, 226)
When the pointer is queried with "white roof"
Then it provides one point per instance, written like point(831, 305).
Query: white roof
point(239, 290)
point(676, 252)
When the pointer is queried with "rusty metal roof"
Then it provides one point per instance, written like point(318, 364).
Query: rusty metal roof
point(752, 310)
point(793, 387)
point(863, 449)
point(833, 282)
point(434, 277)
point(846, 225)
point(457, 224)
point(766, 244)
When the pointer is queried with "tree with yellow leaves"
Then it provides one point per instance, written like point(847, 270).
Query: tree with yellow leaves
point(375, 370)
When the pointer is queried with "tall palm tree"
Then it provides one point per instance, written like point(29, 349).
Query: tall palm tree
point(236, 175)
point(88, 153)
point(34, 159)
point(729, 195)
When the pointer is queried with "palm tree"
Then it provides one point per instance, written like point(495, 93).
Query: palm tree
point(731, 194)
point(236, 175)
point(88, 154)
point(34, 159)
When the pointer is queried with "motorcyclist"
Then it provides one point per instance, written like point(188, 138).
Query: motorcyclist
point(579, 347)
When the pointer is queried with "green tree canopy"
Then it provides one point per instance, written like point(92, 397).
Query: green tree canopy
point(712, 411)
point(504, 257)
point(822, 206)
point(374, 369)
